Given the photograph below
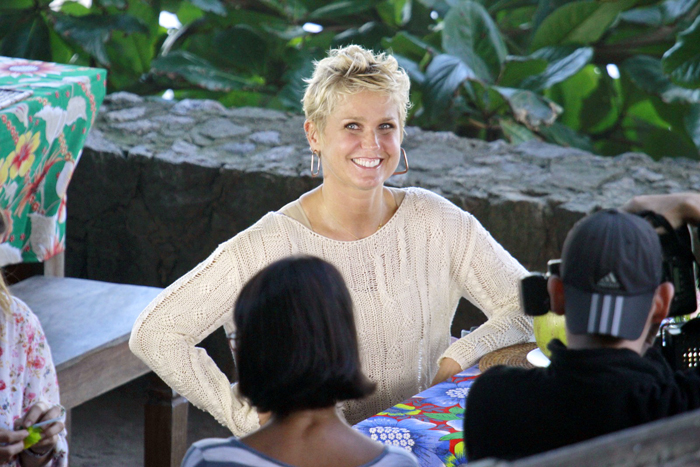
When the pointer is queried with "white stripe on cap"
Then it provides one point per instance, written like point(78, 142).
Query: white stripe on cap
point(592, 313)
point(617, 315)
point(605, 313)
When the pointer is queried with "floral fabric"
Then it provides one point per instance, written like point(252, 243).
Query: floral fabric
point(429, 424)
point(41, 139)
point(27, 373)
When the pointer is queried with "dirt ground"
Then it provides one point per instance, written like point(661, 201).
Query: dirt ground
point(108, 431)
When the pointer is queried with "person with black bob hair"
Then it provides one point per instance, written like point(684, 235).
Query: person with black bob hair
point(297, 357)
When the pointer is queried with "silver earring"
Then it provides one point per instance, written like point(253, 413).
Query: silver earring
point(318, 166)
point(405, 161)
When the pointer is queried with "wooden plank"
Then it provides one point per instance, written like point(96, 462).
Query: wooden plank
point(81, 316)
point(98, 373)
point(670, 441)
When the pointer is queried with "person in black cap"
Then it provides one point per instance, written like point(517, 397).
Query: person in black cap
point(609, 378)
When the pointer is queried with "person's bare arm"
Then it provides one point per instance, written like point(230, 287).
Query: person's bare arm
point(677, 208)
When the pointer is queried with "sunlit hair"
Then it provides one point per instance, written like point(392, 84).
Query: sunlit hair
point(350, 70)
point(296, 345)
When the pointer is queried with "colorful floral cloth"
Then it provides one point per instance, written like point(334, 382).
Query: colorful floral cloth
point(27, 373)
point(41, 139)
point(429, 424)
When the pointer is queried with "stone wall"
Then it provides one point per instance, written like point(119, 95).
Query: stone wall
point(160, 184)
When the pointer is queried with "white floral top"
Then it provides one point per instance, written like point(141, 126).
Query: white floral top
point(27, 373)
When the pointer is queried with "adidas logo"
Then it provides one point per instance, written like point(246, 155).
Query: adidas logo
point(609, 281)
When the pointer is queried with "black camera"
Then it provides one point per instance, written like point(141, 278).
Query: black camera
point(678, 268)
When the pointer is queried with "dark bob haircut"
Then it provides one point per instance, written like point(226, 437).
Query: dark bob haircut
point(296, 344)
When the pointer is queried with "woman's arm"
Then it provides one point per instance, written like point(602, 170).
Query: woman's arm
point(167, 331)
point(490, 278)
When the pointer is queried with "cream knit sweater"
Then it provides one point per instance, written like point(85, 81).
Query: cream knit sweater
point(405, 281)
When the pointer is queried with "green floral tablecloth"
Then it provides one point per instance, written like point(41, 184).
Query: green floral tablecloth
point(41, 139)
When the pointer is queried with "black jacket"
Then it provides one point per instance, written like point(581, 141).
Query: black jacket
point(513, 412)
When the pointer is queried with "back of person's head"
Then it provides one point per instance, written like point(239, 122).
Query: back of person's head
point(349, 70)
point(611, 268)
point(296, 344)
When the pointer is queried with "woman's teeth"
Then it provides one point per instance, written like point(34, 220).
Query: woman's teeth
point(367, 162)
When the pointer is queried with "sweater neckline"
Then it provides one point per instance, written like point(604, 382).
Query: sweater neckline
point(409, 194)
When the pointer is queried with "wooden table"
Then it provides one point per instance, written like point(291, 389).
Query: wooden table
point(87, 325)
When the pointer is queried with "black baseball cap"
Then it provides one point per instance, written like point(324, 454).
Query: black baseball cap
point(611, 267)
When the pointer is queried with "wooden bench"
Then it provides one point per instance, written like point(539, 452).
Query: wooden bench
point(87, 325)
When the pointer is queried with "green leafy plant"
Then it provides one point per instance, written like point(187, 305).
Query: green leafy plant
point(605, 76)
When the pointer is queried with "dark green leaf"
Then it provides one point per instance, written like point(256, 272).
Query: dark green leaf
point(369, 35)
point(682, 61)
point(213, 6)
point(692, 124)
point(601, 108)
point(529, 108)
point(443, 78)
point(558, 70)
point(407, 45)
point(113, 3)
point(197, 71)
point(578, 23)
point(16, 5)
point(515, 132)
point(487, 99)
point(470, 34)
point(75, 9)
point(666, 12)
point(341, 9)
point(241, 47)
point(646, 73)
point(565, 136)
point(571, 94)
point(188, 13)
point(28, 38)
point(411, 68)
point(91, 32)
point(517, 68)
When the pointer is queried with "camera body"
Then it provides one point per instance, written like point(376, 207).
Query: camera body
point(678, 268)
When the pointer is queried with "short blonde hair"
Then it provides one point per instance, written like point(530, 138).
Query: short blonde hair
point(349, 70)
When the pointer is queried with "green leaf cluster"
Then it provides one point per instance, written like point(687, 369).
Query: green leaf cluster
point(608, 76)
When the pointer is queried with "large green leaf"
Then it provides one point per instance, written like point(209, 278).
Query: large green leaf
point(682, 61)
point(395, 13)
point(16, 5)
point(411, 68)
point(407, 45)
point(213, 6)
point(571, 95)
point(666, 12)
point(692, 124)
point(28, 37)
point(517, 68)
point(341, 9)
point(515, 132)
point(565, 136)
point(91, 32)
point(369, 35)
point(443, 78)
point(197, 71)
point(529, 108)
point(560, 67)
point(579, 23)
point(470, 34)
point(241, 47)
point(601, 108)
point(646, 73)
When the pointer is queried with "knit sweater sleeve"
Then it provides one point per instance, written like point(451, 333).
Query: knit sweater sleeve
point(489, 277)
point(166, 333)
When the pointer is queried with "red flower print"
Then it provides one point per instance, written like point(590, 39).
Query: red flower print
point(39, 362)
point(2, 385)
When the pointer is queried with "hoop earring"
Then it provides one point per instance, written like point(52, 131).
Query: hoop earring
point(405, 161)
point(318, 166)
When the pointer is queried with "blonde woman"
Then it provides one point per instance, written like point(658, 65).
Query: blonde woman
point(28, 388)
point(406, 255)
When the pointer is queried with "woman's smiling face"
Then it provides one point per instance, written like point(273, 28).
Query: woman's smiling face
point(361, 142)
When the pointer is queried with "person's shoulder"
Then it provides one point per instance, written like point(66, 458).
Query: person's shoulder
point(222, 452)
point(502, 378)
point(394, 456)
point(431, 203)
point(22, 315)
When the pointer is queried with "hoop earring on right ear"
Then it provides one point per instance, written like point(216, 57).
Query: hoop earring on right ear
point(318, 166)
point(405, 162)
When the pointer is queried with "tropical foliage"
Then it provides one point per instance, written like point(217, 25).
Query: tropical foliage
point(607, 76)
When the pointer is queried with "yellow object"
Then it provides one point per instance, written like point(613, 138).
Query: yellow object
point(548, 327)
point(33, 438)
